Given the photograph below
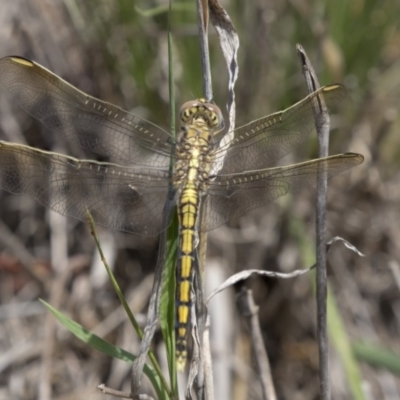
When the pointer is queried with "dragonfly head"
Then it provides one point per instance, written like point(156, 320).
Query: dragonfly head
point(201, 110)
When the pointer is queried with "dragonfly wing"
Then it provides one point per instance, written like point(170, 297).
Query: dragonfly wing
point(260, 143)
point(122, 198)
point(231, 196)
point(95, 125)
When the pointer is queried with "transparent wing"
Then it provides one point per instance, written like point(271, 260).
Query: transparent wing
point(260, 143)
point(93, 124)
point(122, 198)
point(231, 196)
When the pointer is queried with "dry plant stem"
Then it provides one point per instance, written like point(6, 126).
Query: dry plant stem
point(124, 395)
point(197, 379)
point(249, 311)
point(59, 261)
point(45, 391)
point(202, 13)
point(207, 361)
point(395, 268)
point(321, 117)
point(229, 42)
point(202, 18)
point(197, 323)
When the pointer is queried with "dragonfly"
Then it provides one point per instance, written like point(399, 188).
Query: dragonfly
point(129, 191)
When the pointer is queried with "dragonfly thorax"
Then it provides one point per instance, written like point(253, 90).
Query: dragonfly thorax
point(193, 154)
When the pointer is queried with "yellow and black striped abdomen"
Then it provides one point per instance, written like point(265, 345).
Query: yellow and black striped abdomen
point(188, 211)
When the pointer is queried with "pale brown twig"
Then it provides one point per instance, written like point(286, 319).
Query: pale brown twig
point(249, 311)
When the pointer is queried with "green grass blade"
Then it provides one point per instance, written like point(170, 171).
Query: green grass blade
point(101, 345)
point(377, 356)
point(341, 343)
point(167, 305)
point(123, 301)
point(112, 278)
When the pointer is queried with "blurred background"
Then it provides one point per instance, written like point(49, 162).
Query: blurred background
point(117, 50)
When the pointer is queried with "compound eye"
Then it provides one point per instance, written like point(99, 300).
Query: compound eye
point(189, 108)
point(216, 117)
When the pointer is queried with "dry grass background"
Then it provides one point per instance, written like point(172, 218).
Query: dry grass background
point(111, 51)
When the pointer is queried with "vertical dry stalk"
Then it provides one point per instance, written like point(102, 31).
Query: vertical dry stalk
point(322, 124)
